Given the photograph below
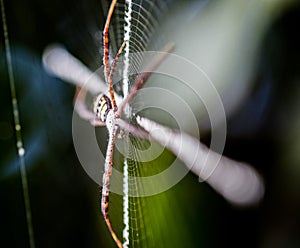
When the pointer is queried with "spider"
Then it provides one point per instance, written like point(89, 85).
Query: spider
point(107, 113)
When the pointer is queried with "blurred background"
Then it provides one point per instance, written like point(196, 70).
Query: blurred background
point(250, 50)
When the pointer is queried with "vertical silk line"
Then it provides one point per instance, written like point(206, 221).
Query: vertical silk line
point(125, 205)
point(127, 30)
point(19, 143)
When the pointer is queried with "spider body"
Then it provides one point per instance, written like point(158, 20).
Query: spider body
point(102, 106)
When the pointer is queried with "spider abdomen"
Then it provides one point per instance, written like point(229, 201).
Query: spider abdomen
point(102, 106)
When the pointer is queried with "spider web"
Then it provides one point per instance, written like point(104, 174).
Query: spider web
point(169, 219)
point(140, 31)
point(145, 18)
point(146, 215)
point(151, 219)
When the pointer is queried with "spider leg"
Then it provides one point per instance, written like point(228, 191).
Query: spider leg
point(136, 131)
point(106, 40)
point(111, 74)
point(106, 183)
point(79, 104)
point(142, 78)
point(60, 63)
point(97, 123)
point(237, 182)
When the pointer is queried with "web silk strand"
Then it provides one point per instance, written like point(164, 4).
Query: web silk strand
point(127, 30)
point(19, 142)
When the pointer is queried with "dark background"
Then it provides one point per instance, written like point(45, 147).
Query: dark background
point(64, 200)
